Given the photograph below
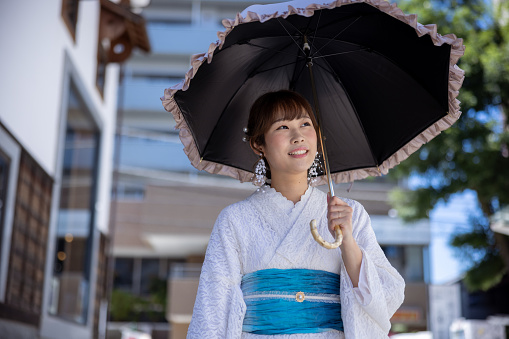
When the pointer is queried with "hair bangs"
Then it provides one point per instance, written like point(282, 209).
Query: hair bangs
point(288, 110)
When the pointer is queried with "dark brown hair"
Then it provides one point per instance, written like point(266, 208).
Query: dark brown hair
point(274, 105)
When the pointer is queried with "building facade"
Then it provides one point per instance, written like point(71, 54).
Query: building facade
point(57, 125)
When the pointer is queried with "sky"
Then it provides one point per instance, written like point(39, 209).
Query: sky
point(445, 219)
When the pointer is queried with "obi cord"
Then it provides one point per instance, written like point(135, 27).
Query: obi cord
point(291, 301)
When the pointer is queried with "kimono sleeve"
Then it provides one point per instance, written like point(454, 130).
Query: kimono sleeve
point(219, 308)
point(382, 290)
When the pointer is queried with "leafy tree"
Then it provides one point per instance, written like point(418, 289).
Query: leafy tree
point(126, 306)
point(472, 154)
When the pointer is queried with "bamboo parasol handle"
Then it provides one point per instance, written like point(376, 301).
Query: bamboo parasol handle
point(323, 243)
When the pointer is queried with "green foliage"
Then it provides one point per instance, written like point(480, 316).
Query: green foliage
point(478, 248)
point(473, 154)
point(486, 273)
point(125, 306)
point(121, 305)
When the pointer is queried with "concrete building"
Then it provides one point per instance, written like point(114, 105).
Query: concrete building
point(57, 124)
point(164, 209)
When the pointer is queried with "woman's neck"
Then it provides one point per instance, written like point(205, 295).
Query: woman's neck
point(291, 187)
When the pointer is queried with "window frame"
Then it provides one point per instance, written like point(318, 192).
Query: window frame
point(52, 323)
point(12, 150)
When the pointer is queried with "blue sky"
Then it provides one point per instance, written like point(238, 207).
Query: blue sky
point(445, 219)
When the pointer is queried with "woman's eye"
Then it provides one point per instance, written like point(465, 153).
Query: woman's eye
point(306, 124)
point(282, 127)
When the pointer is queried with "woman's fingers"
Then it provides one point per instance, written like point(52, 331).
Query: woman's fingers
point(339, 213)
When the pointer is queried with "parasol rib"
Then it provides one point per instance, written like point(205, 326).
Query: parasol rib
point(270, 49)
point(340, 53)
point(344, 29)
point(316, 30)
point(291, 36)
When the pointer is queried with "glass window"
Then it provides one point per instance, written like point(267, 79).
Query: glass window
point(140, 91)
point(407, 260)
point(414, 270)
point(154, 154)
point(4, 174)
point(71, 276)
point(149, 275)
point(128, 191)
point(395, 255)
point(123, 274)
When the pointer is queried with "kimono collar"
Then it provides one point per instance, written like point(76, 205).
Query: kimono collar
point(282, 202)
point(292, 230)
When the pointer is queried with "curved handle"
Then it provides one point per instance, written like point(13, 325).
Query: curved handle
point(323, 243)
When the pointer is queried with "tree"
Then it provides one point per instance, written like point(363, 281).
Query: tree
point(472, 154)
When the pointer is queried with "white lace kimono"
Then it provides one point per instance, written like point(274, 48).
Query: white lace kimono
point(267, 231)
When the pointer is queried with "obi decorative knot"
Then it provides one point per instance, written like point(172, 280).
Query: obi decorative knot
point(291, 301)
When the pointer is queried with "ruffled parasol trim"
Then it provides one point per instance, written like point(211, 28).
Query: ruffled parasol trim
point(456, 77)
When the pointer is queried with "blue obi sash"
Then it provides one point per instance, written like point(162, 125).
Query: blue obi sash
point(291, 301)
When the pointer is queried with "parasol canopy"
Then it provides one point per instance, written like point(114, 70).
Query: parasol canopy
point(385, 84)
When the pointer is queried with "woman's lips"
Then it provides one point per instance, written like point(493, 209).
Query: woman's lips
point(298, 153)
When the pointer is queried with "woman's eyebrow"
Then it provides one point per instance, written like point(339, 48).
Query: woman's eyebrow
point(300, 117)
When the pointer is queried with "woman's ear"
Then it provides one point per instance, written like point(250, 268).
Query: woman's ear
point(257, 149)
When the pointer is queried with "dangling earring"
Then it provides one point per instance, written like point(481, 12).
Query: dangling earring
point(313, 170)
point(260, 172)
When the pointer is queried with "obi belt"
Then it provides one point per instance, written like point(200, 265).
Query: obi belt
point(291, 301)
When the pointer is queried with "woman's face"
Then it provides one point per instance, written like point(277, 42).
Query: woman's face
point(290, 146)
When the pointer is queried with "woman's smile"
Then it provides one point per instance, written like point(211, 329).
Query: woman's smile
point(299, 152)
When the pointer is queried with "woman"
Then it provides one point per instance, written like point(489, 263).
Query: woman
point(264, 276)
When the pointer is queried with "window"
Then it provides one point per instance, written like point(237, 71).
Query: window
point(70, 15)
point(29, 239)
point(71, 270)
point(149, 274)
point(407, 260)
point(124, 274)
point(140, 275)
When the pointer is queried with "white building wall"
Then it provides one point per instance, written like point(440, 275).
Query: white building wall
point(33, 40)
point(38, 57)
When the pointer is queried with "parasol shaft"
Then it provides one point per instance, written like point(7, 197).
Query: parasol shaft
point(309, 63)
point(314, 231)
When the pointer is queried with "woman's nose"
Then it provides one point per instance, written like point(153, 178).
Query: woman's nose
point(297, 137)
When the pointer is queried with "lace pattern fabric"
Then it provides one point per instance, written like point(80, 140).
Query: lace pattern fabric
point(264, 232)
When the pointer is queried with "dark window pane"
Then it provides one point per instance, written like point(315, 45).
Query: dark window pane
point(407, 260)
point(149, 274)
point(123, 274)
point(414, 270)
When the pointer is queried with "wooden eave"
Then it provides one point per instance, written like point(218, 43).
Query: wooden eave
point(118, 23)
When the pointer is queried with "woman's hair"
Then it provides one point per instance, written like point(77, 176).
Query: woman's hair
point(272, 106)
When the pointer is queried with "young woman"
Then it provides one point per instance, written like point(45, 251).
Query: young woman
point(264, 276)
